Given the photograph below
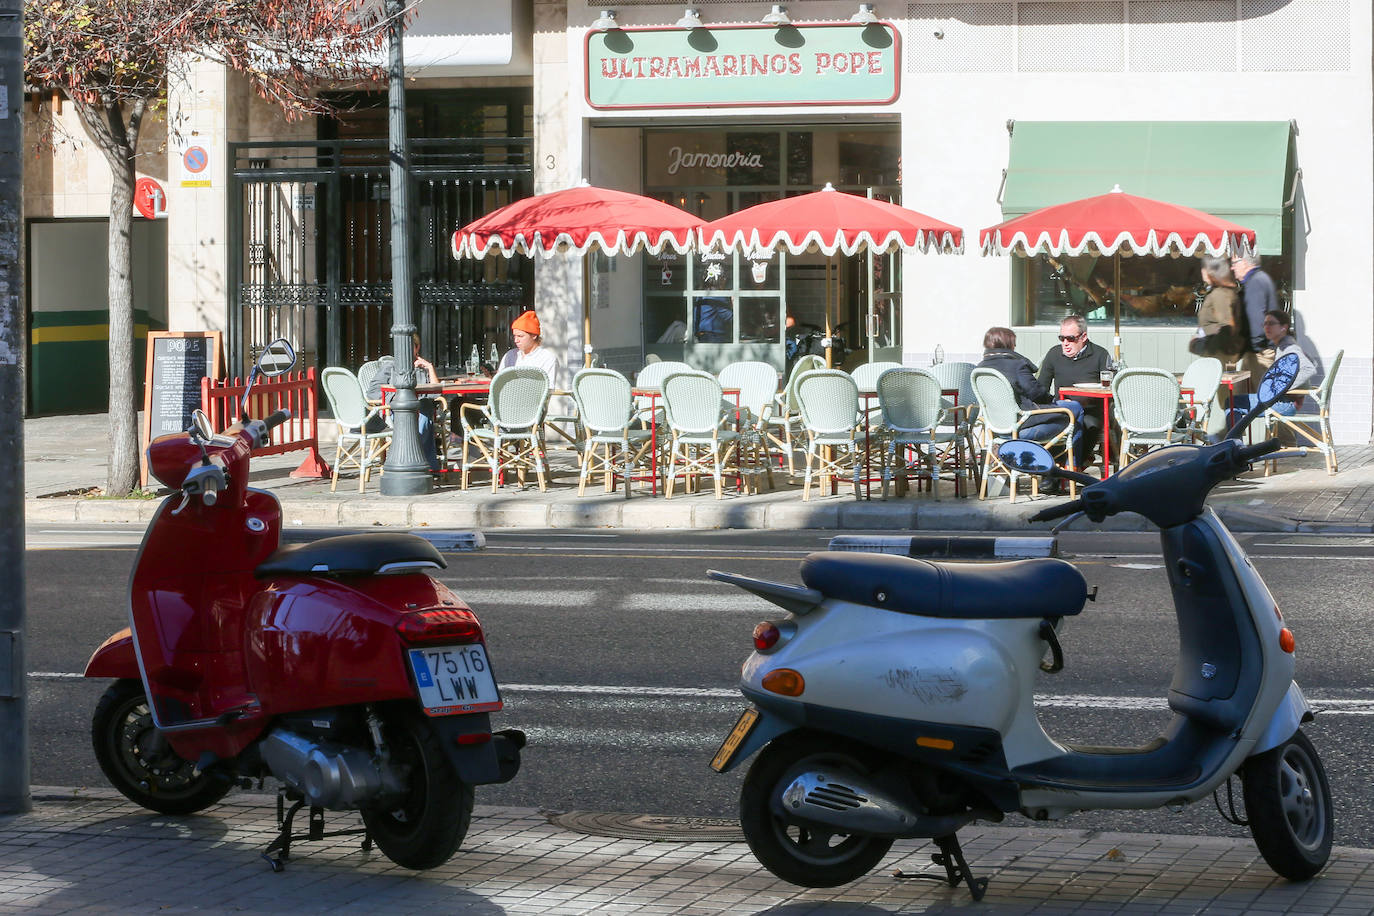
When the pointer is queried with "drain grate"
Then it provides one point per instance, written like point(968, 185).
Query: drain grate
point(649, 826)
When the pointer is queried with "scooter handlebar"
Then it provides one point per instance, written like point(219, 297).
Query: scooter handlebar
point(277, 419)
point(1059, 511)
point(1247, 454)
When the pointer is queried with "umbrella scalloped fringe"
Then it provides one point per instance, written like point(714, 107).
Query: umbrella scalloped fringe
point(1126, 243)
point(563, 245)
point(944, 242)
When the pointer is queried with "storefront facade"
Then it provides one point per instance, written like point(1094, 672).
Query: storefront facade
point(1256, 110)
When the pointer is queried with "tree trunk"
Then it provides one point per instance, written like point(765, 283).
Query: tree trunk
point(105, 123)
point(122, 478)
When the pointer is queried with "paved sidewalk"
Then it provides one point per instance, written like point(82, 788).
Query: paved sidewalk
point(82, 851)
point(66, 456)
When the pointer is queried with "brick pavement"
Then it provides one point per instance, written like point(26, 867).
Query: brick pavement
point(93, 852)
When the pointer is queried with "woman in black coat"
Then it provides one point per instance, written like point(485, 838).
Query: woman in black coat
point(999, 352)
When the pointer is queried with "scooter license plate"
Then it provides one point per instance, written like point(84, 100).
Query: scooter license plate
point(454, 680)
point(745, 724)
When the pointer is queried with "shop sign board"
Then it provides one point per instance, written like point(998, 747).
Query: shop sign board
point(844, 63)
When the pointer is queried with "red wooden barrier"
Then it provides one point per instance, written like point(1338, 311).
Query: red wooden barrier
point(294, 391)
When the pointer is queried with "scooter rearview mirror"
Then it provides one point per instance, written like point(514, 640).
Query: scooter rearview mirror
point(277, 358)
point(1025, 457)
point(1272, 387)
point(201, 431)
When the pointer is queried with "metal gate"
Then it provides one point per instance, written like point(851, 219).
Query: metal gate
point(310, 230)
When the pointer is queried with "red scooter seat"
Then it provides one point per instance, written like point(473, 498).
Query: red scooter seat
point(966, 591)
point(352, 555)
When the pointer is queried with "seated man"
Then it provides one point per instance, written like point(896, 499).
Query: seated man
point(999, 352)
point(1278, 335)
point(1077, 361)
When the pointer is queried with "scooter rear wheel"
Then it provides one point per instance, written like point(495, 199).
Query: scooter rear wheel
point(425, 828)
point(1289, 805)
point(804, 855)
point(137, 761)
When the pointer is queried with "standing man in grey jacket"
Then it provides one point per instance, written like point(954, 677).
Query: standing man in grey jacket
point(1259, 296)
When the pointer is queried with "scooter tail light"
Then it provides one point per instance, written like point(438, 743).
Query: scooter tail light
point(439, 625)
point(766, 636)
point(785, 682)
point(1286, 641)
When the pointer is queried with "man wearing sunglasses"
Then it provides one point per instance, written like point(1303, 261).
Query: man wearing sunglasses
point(1077, 361)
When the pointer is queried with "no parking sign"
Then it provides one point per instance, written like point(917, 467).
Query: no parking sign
point(194, 161)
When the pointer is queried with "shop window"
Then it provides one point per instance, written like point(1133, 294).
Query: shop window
point(1155, 292)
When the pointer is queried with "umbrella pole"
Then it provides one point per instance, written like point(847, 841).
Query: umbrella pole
point(829, 350)
point(587, 310)
point(1116, 332)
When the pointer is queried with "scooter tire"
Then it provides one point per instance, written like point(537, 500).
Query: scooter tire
point(137, 761)
point(425, 828)
point(1288, 802)
point(805, 856)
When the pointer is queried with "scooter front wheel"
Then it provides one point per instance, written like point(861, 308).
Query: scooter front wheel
point(137, 760)
point(425, 827)
point(1288, 803)
point(804, 855)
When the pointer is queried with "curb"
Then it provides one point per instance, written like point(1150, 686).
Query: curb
point(684, 514)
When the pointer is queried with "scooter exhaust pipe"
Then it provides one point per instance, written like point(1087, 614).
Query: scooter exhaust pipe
point(845, 802)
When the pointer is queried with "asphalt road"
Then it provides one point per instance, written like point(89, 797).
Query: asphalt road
point(618, 658)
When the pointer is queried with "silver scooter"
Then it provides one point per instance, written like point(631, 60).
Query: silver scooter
point(895, 698)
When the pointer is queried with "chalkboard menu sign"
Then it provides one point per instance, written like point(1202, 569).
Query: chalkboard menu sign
point(176, 362)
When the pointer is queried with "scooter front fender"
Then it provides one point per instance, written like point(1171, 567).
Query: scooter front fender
point(1292, 712)
point(114, 658)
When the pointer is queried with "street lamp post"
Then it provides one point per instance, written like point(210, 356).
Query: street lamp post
point(406, 473)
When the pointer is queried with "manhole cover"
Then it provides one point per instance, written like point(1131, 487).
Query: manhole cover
point(650, 826)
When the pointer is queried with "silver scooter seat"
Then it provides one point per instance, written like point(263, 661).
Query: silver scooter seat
point(966, 591)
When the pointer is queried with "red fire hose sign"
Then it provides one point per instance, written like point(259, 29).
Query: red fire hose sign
point(149, 199)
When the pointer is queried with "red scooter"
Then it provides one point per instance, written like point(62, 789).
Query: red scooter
point(338, 667)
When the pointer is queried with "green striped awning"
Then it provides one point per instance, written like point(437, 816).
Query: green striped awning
point(1239, 170)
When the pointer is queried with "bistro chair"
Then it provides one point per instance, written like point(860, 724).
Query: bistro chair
point(515, 413)
point(1000, 418)
point(758, 386)
point(367, 372)
point(696, 417)
point(960, 415)
point(1145, 404)
point(866, 375)
point(607, 411)
point(784, 419)
point(910, 402)
point(651, 377)
point(358, 446)
point(1199, 413)
point(828, 401)
point(1311, 429)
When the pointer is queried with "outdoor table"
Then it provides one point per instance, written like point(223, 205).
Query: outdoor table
point(1229, 379)
point(462, 387)
point(1104, 394)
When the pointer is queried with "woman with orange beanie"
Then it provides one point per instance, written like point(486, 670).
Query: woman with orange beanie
point(529, 349)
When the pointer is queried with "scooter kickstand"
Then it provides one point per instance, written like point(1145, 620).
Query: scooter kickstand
point(282, 844)
point(951, 856)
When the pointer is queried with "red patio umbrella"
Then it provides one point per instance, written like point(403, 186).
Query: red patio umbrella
point(831, 222)
point(1113, 224)
point(572, 222)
